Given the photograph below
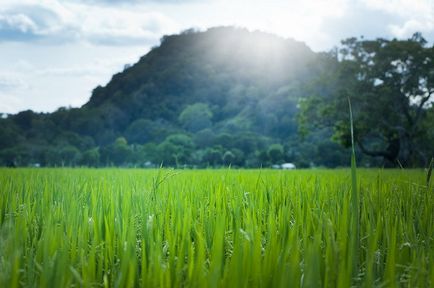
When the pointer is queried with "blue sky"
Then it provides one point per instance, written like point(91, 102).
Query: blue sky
point(54, 52)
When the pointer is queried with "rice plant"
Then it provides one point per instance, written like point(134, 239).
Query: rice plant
point(214, 228)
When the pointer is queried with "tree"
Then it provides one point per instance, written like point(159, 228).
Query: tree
point(275, 153)
point(196, 117)
point(390, 84)
point(120, 152)
point(176, 149)
point(69, 155)
point(9, 134)
point(90, 157)
point(150, 151)
point(213, 155)
point(204, 138)
point(228, 158)
point(137, 132)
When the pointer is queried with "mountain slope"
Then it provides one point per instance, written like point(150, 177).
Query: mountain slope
point(223, 67)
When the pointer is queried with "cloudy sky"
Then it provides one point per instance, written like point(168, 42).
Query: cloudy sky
point(54, 52)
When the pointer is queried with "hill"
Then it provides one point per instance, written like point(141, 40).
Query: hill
point(219, 97)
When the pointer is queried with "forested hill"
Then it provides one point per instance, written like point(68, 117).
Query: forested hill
point(225, 96)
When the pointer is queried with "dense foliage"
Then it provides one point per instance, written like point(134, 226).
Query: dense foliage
point(213, 228)
point(391, 87)
point(221, 97)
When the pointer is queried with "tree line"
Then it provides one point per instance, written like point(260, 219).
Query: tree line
point(222, 97)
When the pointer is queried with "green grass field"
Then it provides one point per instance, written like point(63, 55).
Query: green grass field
point(214, 228)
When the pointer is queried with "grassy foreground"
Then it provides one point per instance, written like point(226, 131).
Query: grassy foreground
point(224, 228)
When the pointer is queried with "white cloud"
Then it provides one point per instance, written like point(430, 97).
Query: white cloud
point(129, 2)
point(9, 103)
point(405, 8)
point(410, 27)
point(49, 76)
point(111, 26)
point(56, 22)
point(416, 15)
point(11, 83)
point(20, 22)
point(95, 68)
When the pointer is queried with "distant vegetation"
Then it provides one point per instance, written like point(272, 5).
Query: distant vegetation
point(247, 99)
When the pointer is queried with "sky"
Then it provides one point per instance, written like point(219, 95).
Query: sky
point(54, 52)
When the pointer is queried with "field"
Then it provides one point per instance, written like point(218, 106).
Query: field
point(214, 228)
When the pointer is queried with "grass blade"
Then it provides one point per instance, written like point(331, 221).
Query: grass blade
point(355, 225)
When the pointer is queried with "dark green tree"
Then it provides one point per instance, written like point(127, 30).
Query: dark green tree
point(228, 158)
point(196, 117)
point(90, 158)
point(69, 155)
point(120, 152)
point(213, 156)
point(390, 84)
point(176, 150)
point(275, 153)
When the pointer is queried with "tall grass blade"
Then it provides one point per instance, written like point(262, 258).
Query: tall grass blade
point(355, 225)
point(428, 174)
